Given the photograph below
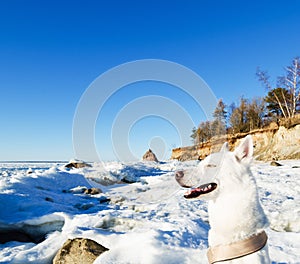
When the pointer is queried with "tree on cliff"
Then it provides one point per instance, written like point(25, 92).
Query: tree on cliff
point(247, 116)
point(237, 119)
point(282, 100)
point(274, 105)
point(255, 113)
point(206, 130)
point(286, 95)
point(194, 135)
point(218, 126)
point(291, 81)
point(203, 133)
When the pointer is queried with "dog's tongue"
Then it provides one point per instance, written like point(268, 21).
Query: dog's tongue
point(203, 189)
point(193, 193)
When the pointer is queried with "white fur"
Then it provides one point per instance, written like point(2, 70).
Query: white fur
point(235, 212)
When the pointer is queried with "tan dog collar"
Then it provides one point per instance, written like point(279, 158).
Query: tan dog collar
point(237, 249)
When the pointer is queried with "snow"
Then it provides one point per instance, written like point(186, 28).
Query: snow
point(141, 216)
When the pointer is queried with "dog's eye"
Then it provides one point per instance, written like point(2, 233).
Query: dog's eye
point(211, 165)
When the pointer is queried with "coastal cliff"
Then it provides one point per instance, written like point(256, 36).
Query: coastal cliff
point(273, 143)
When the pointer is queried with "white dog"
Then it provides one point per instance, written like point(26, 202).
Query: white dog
point(236, 217)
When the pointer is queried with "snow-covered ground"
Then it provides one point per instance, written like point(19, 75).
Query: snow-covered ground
point(147, 221)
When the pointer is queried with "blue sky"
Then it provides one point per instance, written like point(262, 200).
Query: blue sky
point(51, 51)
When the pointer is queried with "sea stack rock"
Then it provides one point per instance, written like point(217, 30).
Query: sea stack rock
point(150, 156)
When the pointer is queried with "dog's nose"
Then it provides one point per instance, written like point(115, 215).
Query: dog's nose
point(179, 175)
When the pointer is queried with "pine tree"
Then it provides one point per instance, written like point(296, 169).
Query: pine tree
point(219, 122)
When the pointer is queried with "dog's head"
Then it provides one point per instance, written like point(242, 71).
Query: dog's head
point(217, 171)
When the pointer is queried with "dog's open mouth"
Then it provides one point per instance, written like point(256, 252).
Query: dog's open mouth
point(203, 189)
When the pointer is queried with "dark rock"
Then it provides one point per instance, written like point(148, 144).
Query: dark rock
point(92, 191)
point(14, 235)
point(78, 251)
point(295, 167)
point(275, 163)
point(77, 164)
point(103, 200)
point(49, 199)
point(150, 156)
point(127, 180)
point(29, 233)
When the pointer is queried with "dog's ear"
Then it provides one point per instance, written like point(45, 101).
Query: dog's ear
point(244, 151)
point(224, 147)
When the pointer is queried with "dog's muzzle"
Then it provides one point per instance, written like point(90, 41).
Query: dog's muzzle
point(194, 192)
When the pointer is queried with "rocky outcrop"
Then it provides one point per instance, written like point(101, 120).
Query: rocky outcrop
point(275, 163)
point(78, 251)
point(187, 153)
point(77, 164)
point(150, 156)
point(273, 143)
point(92, 191)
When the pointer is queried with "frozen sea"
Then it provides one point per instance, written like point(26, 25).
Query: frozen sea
point(141, 216)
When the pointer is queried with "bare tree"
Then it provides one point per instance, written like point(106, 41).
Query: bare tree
point(288, 85)
point(291, 81)
point(282, 103)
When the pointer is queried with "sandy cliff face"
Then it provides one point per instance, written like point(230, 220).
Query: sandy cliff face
point(285, 144)
point(272, 143)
